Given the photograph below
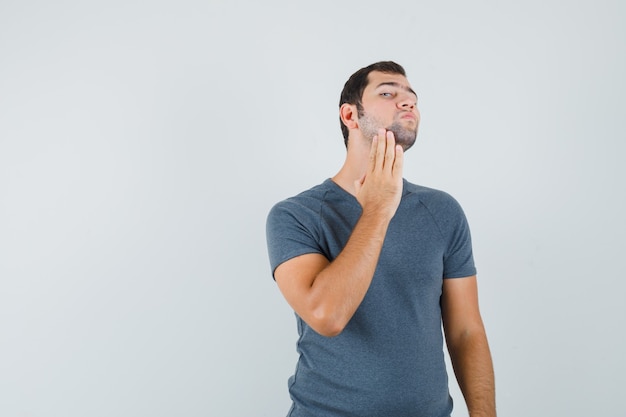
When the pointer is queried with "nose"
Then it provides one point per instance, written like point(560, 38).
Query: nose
point(407, 103)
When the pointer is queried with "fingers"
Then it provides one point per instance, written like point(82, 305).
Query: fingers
point(384, 152)
point(373, 151)
point(359, 183)
point(390, 151)
point(381, 148)
point(380, 188)
point(398, 161)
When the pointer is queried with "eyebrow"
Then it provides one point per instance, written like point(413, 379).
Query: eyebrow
point(398, 85)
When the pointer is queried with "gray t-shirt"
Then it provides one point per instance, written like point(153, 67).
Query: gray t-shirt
point(389, 359)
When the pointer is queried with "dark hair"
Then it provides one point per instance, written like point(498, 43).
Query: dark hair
point(352, 92)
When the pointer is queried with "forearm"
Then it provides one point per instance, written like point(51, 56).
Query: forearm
point(338, 290)
point(473, 368)
point(327, 294)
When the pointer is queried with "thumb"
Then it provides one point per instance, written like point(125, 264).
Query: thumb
point(358, 184)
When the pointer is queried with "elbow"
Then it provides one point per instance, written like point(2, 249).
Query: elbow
point(329, 330)
point(326, 323)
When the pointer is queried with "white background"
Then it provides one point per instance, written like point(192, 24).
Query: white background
point(143, 143)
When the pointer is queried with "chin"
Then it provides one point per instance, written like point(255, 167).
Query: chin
point(404, 137)
point(406, 146)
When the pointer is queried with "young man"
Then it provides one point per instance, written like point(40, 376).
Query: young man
point(372, 265)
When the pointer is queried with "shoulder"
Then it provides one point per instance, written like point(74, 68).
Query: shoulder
point(436, 201)
point(303, 211)
point(444, 210)
point(309, 201)
point(293, 225)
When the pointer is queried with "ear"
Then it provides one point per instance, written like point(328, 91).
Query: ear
point(348, 115)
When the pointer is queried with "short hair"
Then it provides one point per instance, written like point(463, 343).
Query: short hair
point(352, 92)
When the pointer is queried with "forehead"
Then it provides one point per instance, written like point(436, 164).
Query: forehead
point(378, 79)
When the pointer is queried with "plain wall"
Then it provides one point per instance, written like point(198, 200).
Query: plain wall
point(143, 143)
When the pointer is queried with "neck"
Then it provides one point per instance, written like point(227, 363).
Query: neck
point(354, 167)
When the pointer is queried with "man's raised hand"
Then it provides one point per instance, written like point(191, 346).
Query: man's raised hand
point(380, 189)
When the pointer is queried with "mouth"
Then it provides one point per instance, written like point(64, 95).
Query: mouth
point(409, 116)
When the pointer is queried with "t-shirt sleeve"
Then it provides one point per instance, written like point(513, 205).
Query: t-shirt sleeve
point(291, 230)
point(458, 259)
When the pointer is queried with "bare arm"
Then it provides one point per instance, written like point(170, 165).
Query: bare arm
point(467, 344)
point(326, 294)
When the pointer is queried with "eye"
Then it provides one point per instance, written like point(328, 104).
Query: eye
point(386, 94)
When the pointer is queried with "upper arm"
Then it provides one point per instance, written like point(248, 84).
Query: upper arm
point(459, 307)
point(295, 278)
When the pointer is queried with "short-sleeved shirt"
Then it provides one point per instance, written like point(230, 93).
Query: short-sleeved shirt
point(389, 360)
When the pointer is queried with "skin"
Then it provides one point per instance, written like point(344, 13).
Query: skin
point(327, 294)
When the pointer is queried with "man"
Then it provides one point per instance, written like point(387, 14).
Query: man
point(372, 265)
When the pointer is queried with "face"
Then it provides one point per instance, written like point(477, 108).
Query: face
point(389, 103)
